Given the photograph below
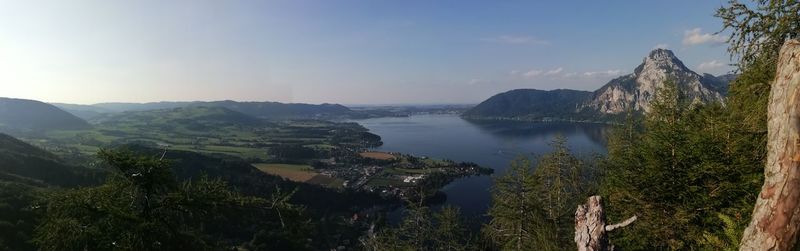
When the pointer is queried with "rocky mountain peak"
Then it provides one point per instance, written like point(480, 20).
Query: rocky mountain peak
point(661, 60)
point(635, 91)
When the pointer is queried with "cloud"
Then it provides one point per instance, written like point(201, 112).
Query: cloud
point(570, 74)
point(554, 72)
point(532, 73)
point(661, 46)
point(511, 39)
point(606, 73)
point(696, 36)
point(560, 73)
point(711, 65)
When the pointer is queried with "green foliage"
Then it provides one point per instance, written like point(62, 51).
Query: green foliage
point(758, 32)
point(560, 186)
point(423, 229)
point(517, 222)
point(728, 239)
point(143, 207)
point(533, 210)
point(678, 170)
point(18, 204)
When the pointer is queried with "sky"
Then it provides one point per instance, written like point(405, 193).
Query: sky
point(331, 51)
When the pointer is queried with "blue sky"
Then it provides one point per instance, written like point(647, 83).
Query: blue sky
point(351, 52)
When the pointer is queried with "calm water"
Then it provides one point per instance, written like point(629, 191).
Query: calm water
point(489, 143)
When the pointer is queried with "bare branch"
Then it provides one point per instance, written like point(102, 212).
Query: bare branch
point(625, 223)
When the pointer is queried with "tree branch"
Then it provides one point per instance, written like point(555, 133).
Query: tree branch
point(625, 223)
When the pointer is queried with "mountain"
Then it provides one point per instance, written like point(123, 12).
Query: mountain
point(85, 112)
point(192, 117)
point(531, 104)
point(633, 92)
point(24, 163)
point(275, 110)
point(31, 115)
point(265, 110)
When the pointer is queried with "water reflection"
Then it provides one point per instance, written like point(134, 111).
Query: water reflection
point(597, 133)
point(492, 144)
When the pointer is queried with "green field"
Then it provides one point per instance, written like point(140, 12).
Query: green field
point(202, 129)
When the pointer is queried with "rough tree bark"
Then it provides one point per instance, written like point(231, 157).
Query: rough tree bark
point(776, 216)
point(591, 231)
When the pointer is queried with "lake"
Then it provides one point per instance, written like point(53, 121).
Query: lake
point(489, 143)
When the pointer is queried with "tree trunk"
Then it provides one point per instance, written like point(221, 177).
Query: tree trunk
point(591, 231)
point(776, 215)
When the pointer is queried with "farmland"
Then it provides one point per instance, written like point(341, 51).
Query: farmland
point(211, 131)
point(299, 173)
point(324, 153)
point(377, 155)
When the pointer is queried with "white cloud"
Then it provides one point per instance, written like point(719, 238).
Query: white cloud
point(696, 36)
point(511, 39)
point(554, 71)
point(661, 46)
point(606, 73)
point(710, 65)
point(560, 73)
point(532, 73)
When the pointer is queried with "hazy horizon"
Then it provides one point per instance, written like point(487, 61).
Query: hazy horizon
point(344, 52)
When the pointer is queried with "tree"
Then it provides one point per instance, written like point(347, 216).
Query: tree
point(559, 188)
point(423, 229)
point(533, 209)
point(775, 224)
point(758, 32)
point(516, 215)
point(143, 207)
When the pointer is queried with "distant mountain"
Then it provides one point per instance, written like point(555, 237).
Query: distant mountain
point(531, 104)
point(275, 110)
point(85, 112)
point(192, 118)
point(31, 115)
point(630, 92)
point(265, 110)
point(24, 163)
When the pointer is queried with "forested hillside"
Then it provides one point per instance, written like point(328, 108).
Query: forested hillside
point(29, 115)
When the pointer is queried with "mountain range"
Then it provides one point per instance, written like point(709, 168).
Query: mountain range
point(632, 92)
point(263, 110)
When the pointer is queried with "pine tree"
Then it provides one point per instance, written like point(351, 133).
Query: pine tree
point(559, 188)
point(143, 207)
point(517, 217)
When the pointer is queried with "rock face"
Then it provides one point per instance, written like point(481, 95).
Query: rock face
point(635, 91)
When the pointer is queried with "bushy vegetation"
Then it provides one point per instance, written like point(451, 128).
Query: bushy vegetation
point(144, 207)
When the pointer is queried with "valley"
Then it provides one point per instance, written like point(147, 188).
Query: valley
point(319, 152)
